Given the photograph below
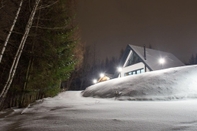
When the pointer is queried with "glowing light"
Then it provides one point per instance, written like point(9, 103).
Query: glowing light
point(102, 75)
point(162, 61)
point(94, 81)
point(119, 69)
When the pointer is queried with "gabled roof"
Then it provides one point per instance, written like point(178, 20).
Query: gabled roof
point(152, 57)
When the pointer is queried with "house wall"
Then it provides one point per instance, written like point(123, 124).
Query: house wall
point(147, 69)
point(133, 68)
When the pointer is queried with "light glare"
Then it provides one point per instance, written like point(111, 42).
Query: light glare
point(119, 69)
point(102, 75)
point(161, 60)
point(94, 81)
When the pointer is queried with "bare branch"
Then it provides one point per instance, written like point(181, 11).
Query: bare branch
point(47, 6)
point(54, 28)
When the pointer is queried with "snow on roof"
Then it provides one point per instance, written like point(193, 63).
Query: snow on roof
point(153, 56)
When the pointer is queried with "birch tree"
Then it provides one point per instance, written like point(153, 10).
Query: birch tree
point(18, 53)
point(10, 32)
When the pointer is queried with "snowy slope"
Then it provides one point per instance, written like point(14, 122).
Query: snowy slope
point(173, 83)
point(69, 111)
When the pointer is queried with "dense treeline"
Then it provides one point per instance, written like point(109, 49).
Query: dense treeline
point(92, 67)
point(51, 52)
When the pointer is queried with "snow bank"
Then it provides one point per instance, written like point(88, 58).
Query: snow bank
point(69, 111)
point(173, 83)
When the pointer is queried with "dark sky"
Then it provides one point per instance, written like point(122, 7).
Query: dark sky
point(168, 25)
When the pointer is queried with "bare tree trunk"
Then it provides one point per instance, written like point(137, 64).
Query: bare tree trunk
point(32, 57)
point(10, 32)
point(27, 77)
point(18, 54)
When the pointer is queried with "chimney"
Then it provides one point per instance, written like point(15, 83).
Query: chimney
point(144, 52)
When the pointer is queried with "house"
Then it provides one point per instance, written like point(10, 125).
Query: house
point(136, 60)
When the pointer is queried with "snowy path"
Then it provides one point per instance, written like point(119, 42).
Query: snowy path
point(71, 112)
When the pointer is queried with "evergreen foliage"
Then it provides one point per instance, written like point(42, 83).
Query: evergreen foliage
point(51, 54)
point(193, 60)
point(57, 61)
point(90, 69)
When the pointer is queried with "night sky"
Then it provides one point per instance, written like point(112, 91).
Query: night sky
point(167, 25)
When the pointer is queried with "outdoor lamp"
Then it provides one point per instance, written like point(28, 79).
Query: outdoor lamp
point(102, 75)
point(161, 61)
point(94, 81)
point(119, 69)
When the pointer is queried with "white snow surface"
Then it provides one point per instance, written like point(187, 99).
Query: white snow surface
point(173, 83)
point(70, 111)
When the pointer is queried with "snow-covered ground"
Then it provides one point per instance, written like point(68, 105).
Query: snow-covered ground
point(69, 111)
point(173, 83)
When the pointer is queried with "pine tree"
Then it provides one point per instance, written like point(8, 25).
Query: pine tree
point(54, 54)
point(196, 59)
point(192, 60)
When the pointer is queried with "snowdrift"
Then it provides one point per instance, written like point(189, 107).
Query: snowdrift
point(167, 84)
